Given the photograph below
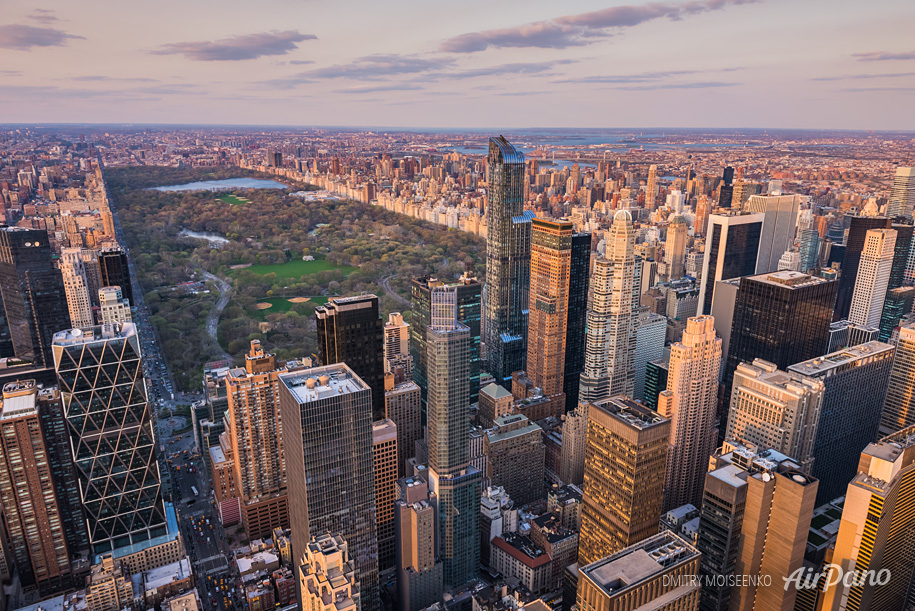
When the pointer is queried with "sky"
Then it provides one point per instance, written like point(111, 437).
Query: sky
point(818, 64)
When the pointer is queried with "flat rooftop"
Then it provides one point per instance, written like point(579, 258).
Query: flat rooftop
point(631, 412)
point(789, 279)
point(640, 562)
point(317, 383)
point(822, 364)
point(97, 333)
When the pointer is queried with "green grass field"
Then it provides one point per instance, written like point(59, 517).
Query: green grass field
point(293, 270)
point(230, 198)
point(278, 305)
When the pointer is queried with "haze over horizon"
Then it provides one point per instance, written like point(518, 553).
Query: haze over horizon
point(705, 64)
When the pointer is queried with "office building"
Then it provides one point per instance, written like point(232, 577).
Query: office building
point(743, 191)
point(114, 271)
point(113, 308)
point(76, 287)
point(732, 248)
point(899, 407)
point(100, 375)
point(254, 431)
point(33, 293)
point(854, 246)
point(873, 277)
point(327, 576)
point(650, 333)
point(657, 573)
point(32, 516)
point(875, 532)
point(350, 331)
point(754, 520)
point(515, 458)
point(690, 402)
point(902, 197)
point(623, 489)
point(396, 342)
point(466, 291)
point(809, 250)
point(675, 248)
point(780, 212)
point(495, 401)
point(652, 190)
point(419, 570)
point(577, 317)
point(610, 344)
point(898, 303)
point(402, 406)
point(454, 481)
point(901, 251)
point(855, 381)
point(384, 453)
point(656, 374)
point(508, 256)
point(776, 410)
point(327, 436)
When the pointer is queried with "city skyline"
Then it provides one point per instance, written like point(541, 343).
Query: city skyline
point(554, 67)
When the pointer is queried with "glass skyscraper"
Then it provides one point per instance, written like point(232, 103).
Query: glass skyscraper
point(508, 263)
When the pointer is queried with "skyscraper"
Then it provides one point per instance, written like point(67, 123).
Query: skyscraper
point(33, 293)
point(809, 250)
point(731, 252)
point(855, 381)
point(625, 462)
point(327, 436)
point(650, 334)
point(402, 406)
point(610, 347)
point(902, 197)
point(551, 258)
point(675, 248)
point(899, 406)
point(350, 331)
point(577, 317)
point(467, 293)
point(726, 188)
point(384, 453)
point(32, 515)
point(689, 403)
point(780, 212)
point(875, 534)
point(854, 245)
point(651, 191)
point(515, 458)
point(111, 435)
point(115, 271)
point(397, 343)
point(76, 287)
point(419, 571)
point(775, 410)
point(508, 255)
point(873, 277)
point(327, 576)
point(452, 478)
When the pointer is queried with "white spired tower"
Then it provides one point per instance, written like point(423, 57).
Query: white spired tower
point(873, 277)
point(610, 343)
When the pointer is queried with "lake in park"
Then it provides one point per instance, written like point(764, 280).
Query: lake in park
point(228, 183)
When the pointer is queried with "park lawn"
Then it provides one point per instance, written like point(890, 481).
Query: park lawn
point(280, 305)
point(295, 269)
point(230, 198)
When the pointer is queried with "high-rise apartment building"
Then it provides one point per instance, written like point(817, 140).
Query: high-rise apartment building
point(873, 277)
point(384, 453)
point(113, 308)
point(577, 316)
point(466, 292)
point(732, 248)
point(780, 212)
point(327, 576)
point(402, 406)
point(327, 436)
point(515, 458)
point(690, 402)
point(115, 271)
point(742, 191)
point(899, 407)
point(875, 534)
point(76, 287)
point(32, 516)
point(625, 463)
point(254, 430)
point(419, 570)
point(113, 441)
point(675, 248)
point(651, 191)
point(902, 197)
point(776, 410)
point(396, 342)
point(855, 381)
point(754, 520)
point(854, 245)
point(551, 258)
point(33, 293)
point(610, 348)
point(350, 331)
point(508, 256)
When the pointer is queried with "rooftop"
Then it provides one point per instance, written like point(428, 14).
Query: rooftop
point(320, 383)
point(495, 391)
point(631, 412)
point(640, 562)
point(823, 364)
point(97, 333)
point(789, 279)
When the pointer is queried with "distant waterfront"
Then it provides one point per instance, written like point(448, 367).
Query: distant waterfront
point(228, 183)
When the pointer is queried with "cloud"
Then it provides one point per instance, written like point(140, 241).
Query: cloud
point(866, 89)
point(583, 28)
point(864, 76)
point(43, 15)
point(698, 85)
point(23, 37)
point(516, 68)
point(875, 56)
point(101, 78)
point(235, 48)
point(11, 72)
point(376, 88)
point(379, 65)
point(300, 62)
